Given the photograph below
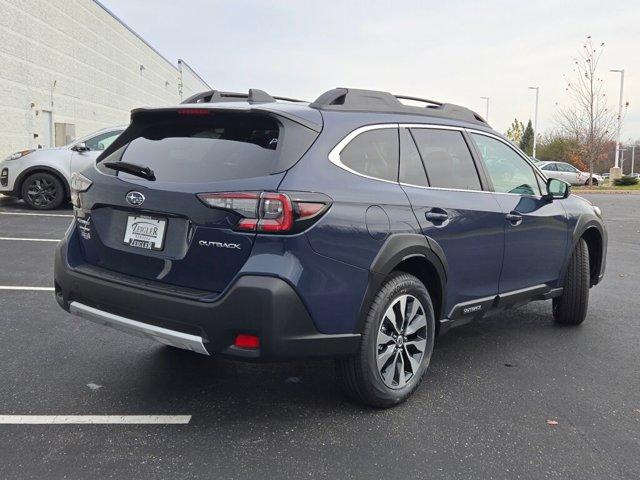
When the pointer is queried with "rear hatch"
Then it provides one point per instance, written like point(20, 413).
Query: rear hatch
point(176, 229)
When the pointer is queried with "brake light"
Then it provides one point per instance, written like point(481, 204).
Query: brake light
point(268, 212)
point(194, 111)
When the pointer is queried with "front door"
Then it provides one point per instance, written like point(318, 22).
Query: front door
point(96, 144)
point(536, 229)
point(445, 189)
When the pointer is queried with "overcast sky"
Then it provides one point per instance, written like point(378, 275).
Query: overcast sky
point(454, 51)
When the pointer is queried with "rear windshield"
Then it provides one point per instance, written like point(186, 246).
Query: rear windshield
point(197, 148)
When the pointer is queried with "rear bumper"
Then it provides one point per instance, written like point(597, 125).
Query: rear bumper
point(258, 305)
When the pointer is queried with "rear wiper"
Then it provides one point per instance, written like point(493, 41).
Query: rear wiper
point(133, 169)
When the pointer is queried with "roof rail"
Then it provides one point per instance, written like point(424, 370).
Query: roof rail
point(352, 99)
point(254, 96)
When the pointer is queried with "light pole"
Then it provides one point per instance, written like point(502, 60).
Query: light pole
point(615, 171)
point(633, 157)
point(535, 120)
point(486, 117)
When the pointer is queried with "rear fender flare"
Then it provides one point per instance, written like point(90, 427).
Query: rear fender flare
point(397, 248)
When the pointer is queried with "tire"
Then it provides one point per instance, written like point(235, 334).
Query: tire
point(360, 377)
point(571, 307)
point(43, 191)
point(594, 182)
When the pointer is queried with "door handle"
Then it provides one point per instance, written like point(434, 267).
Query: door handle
point(514, 218)
point(436, 215)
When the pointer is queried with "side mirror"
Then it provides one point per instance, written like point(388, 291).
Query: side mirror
point(80, 147)
point(557, 189)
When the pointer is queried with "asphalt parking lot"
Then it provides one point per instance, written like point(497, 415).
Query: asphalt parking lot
point(482, 412)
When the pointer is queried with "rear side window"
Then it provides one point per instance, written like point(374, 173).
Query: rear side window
point(447, 159)
point(550, 167)
point(200, 148)
point(373, 153)
point(411, 168)
point(565, 167)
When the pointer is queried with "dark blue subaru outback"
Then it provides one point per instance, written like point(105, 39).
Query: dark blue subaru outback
point(356, 227)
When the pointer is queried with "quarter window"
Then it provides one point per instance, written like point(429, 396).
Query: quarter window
point(509, 172)
point(447, 159)
point(373, 153)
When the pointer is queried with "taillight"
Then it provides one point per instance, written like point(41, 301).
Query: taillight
point(270, 212)
point(79, 184)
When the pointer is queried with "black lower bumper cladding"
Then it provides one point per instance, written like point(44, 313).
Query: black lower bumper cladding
point(267, 307)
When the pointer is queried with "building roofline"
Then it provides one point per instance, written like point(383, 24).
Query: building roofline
point(121, 22)
point(196, 74)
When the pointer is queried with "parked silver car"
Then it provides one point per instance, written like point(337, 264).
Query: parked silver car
point(41, 177)
point(568, 173)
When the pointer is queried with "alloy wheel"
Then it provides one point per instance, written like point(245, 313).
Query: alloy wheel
point(42, 192)
point(401, 341)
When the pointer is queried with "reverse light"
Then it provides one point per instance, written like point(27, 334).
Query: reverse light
point(267, 212)
point(20, 154)
point(79, 184)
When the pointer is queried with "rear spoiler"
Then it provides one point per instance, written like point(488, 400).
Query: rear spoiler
point(137, 125)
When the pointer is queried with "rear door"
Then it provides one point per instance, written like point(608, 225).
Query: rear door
point(181, 228)
point(446, 191)
point(536, 229)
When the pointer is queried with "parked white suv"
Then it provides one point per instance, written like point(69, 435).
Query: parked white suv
point(41, 177)
point(568, 173)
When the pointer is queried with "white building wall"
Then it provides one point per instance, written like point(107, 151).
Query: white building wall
point(73, 58)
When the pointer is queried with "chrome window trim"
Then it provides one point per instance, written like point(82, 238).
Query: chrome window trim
point(432, 126)
point(334, 154)
point(448, 189)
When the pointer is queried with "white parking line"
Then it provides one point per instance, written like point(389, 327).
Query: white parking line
point(95, 419)
point(37, 214)
point(30, 239)
point(35, 289)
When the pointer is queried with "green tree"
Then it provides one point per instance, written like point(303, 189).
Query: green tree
point(515, 131)
point(526, 142)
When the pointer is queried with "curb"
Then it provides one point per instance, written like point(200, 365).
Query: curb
point(606, 192)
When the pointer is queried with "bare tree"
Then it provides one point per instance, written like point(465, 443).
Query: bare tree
point(588, 120)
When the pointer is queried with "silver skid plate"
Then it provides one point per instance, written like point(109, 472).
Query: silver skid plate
point(144, 330)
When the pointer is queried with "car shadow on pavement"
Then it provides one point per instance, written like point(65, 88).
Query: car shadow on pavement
point(266, 390)
point(16, 205)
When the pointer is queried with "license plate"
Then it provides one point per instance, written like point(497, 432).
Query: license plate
point(145, 232)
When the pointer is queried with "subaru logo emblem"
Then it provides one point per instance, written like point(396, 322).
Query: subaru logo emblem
point(135, 198)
